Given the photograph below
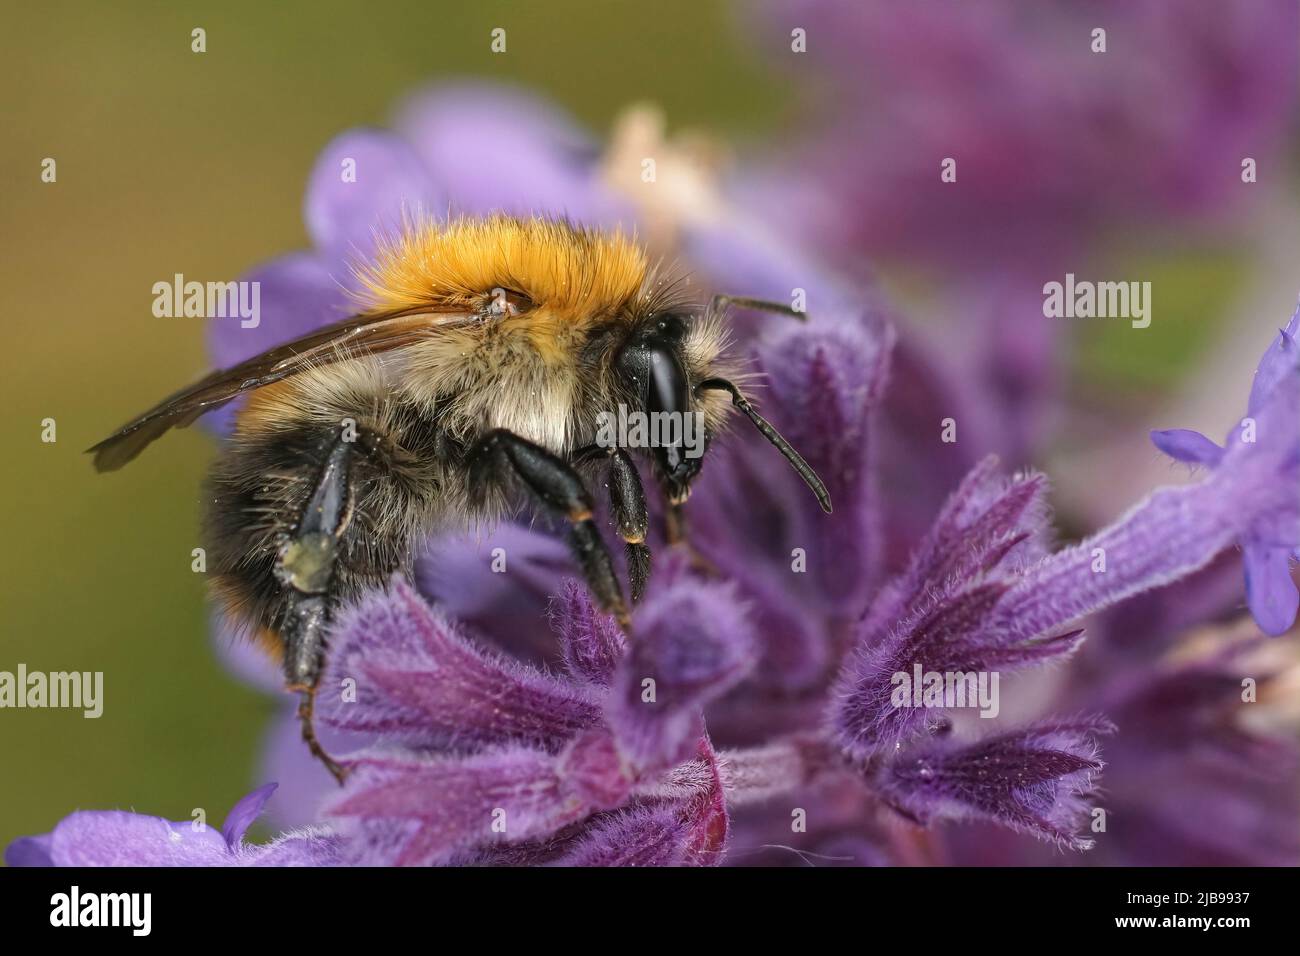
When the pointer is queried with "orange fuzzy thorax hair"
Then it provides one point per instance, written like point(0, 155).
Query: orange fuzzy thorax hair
point(567, 269)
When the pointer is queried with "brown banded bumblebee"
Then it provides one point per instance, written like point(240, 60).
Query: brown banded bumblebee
point(472, 376)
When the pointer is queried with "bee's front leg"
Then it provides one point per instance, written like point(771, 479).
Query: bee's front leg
point(627, 501)
point(501, 457)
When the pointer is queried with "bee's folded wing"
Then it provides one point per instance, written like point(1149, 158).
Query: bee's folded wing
point(352, 338)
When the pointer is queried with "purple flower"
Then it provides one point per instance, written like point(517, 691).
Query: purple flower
point(120, 838)
point(824, 383)
point(1201, 776)
point(1036, 126)
point(1205, 768)
point(942, 613)
point(1037, 780)
point(693, 643)
point(480, 754)
point(1034, 117)
point(592, 643)
point(400, 671)
point(1270, 479)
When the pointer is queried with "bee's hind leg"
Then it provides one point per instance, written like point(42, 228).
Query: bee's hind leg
point(305, 567)
point(500, 456)
point(306, 706)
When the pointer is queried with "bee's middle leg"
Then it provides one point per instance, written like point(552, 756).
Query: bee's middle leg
point(500, 456)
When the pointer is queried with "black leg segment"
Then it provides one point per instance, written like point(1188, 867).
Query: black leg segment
point(502, 457)
point(628, 504)
point(305, 566)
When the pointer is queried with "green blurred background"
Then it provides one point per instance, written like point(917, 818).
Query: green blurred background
point(169, 161)
point(172, 162)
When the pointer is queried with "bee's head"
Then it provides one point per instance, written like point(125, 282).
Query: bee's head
point(667, 367)
point(652, 369)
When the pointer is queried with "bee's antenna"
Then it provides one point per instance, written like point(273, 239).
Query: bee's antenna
point(771, 434)
point(720, 302)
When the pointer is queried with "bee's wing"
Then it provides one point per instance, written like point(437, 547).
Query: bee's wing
point(351, 338)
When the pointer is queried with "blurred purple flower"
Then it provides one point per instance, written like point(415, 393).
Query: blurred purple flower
point(119, 838)
point(1200, 778)
point(1035, 119)
point(1056, 150)
point(1201, 772)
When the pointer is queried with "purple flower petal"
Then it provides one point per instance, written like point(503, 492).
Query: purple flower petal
point(407, 810)
point(418, 680)
point(591, 641)
point(498, 583)
point(802, 566)
point(988, 522)
point(705, 810)
point(693, 642)
point(738, 483)
point(1280, 359)
point(825, 385)
point(1252, 497)
point(498, 149)
point(1186, 445)
point(1171, 534)
point(642, 836)
point(942, 613)
point(595, 770)
point(243, 813)
point(953, 635)
point(1036, 780)
point(1262, 476)
point(118, 838)
point(297, 295)
point(364, 185)
point(309, 847)
point(1270, 591)
point(30, 851)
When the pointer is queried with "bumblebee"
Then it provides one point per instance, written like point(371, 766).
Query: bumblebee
point(473, 375)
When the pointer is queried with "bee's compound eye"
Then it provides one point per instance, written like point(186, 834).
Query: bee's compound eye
point(668, 391)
